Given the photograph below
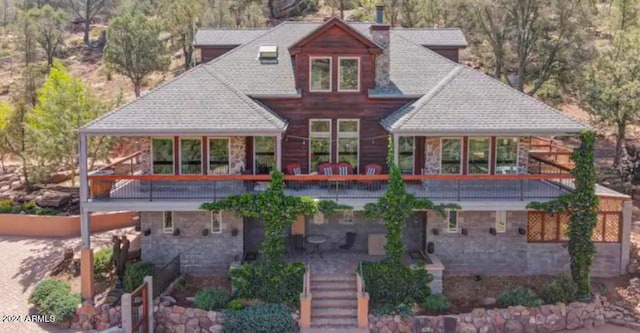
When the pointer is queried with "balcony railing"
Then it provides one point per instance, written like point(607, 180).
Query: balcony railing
point(216, 187)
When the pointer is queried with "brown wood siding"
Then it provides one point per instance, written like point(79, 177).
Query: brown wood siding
point(249, 154)
point(449, 53)
point(418, 155)
point(209, 53)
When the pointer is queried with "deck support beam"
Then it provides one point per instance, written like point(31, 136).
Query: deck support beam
point(279, 151)
point(86, 254)
point(396, 148)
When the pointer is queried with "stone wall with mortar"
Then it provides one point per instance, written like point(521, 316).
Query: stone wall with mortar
point(237, 160)
point(524, 145)
point(480, 252)
point(198, 254)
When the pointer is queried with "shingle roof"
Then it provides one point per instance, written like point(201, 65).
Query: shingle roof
point(443, 37)
point(197, 101)
point(219, 37)
point(469, 102)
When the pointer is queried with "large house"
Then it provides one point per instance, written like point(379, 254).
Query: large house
point(319, 101)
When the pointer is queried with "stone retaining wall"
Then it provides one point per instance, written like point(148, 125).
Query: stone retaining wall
point(179, 319)
point(517, 319)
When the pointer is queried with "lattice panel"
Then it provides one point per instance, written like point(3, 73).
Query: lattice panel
point(598, 229)
point(550, 231)
point(610, 205)
point(534, 227)
point(565, 219)
point(612, 228)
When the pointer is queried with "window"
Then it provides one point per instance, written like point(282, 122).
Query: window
point(320, 75)
point(190, 156)
point(478, 156)
point(451, 156)
point(349, 74)
point(218, 156)
point(216, 222)
point(348, 139)
point(162, 152)
point(501, 221)
point(506, 155)
point(319, 143)
point(452, 221)
point(167, 222)
point(264, 154)
point(405, 154)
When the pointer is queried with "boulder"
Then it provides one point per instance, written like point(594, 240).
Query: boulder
point(53, 199)
point(17, 185)
point(59, 177)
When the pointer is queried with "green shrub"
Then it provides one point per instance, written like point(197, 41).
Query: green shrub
point(264, 318)
point(270, 283)
point(61, 305)
point(436, 303)
point(134, 274)
point(211, 299)
point(103, 262)
point(519, 296)
point(235, 304)
point(561, 289)
point(389, 283)
point(387, 309)
point(45, 288)
point(29, 206)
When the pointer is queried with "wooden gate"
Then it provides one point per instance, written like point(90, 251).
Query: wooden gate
point(137, 308)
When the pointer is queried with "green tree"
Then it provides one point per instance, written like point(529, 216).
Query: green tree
point(14, 138)
point(181, 19)
point(610, 89)
point(87, 11)
point(27, 38)
point(50, 29)
point(625, 15)
point(134, 48)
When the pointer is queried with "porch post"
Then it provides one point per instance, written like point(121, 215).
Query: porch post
point(396, 148)
point(627, 208)
point(86, 253)
point(279, 151)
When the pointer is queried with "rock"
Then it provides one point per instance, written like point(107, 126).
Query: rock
point(215, 329)
point(488, 301)
point(573, 321)
point(513, 326)
point(59, 177)
point(17, 185)
point(53, 199)
point(466, 328)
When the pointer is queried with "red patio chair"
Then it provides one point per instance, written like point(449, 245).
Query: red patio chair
point(372, 169)
point(294, 169)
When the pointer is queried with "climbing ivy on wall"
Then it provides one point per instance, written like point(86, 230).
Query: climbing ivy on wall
point(582, 203)
point(277, 210)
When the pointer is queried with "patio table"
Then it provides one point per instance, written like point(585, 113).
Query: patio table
point(316, 241)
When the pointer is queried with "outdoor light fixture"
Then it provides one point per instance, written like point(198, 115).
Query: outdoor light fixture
point(435, 231)
point(465, 232)
point(521, 231)
point(176, 232)
point(234, 232)
point(492, 231)
point(205, 232)
point(431, 247)
point(147, 232)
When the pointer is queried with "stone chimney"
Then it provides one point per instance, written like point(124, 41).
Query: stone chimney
point(380, 33)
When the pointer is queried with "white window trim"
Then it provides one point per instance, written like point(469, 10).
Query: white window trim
point(209, 152)
point(413, 153)
point(255, 165)
point(311, 59)
point(501, 214)
point(320, 135)
point(180, 154)
point(173, 154)
point(495, 153)
point(340, 73)
point(348, 135)
point(461, 152)
point(219, 214)
point(488, 157)
point(164, 220)
point(447, 219)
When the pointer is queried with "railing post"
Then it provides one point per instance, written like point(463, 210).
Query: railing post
point(458, 181)
point(127, 320)
point(151, 190)
point(148, 280)
point(521, 189)
point(305, 300)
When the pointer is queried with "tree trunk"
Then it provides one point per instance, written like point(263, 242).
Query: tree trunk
point(87, 22)
point(342, 9)
point(136, 88)
point(619, 144)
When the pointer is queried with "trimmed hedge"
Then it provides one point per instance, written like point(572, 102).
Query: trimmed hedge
point(54, 298)
point(264, 318)
point(269, 282)
point(134, 274)
point(389, 283)
point(211, 299)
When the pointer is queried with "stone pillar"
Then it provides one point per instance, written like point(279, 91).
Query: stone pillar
point(432, 156)
point(127, 320)
point(627, 208)
point(524, 145)
point(149, 281)
point(380, 33)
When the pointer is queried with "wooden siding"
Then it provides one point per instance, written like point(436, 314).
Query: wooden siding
point(209, 53)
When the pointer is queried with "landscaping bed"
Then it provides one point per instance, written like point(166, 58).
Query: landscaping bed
point(190, 285)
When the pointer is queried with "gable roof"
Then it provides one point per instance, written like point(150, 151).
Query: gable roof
point(225, 37)
point(467, 102)
point(196, 102)
point(336, 22)
point(434, 37)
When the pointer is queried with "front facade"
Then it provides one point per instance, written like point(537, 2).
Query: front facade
point(319, 101)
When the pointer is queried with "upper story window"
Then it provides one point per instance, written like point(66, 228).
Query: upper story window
point(506, 155)
point(218, 156)
point(348, 139)
point(190, 156)
point(479, 156)
point(349, 74)
point(319, 142)
point(451, 156)
point(264, 154)
point(162, 156)
point(320, 76)
point(405, 154)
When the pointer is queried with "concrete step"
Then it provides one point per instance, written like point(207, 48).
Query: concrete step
point(333, 285)
point(333, 277)
point(334, 313)
point(333, 302)
point(331, 294)
point(334, 329)
point(350, 322)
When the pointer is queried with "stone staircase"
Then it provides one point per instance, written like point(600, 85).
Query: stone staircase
point(334, 306)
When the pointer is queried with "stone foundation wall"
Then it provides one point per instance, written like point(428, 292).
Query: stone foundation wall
point(180, 319)
point(517, 319)
point(198, 254)
point(507, 253)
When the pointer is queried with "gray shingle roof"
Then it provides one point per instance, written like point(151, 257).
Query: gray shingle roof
point(219, 37)
point(195, 102)
point(442, 37)
point(469, 102)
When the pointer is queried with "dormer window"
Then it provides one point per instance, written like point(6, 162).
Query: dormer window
point(320, 74)
point(268, 54)
point(349, 74)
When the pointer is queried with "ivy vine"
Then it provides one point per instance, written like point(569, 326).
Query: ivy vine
point(277, 210)
point(582, 203)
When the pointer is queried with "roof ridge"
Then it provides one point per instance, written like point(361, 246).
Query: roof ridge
point(427, 28)
point(430, 95)
point(236, 29)
point(150, 92)
point(260, 108)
